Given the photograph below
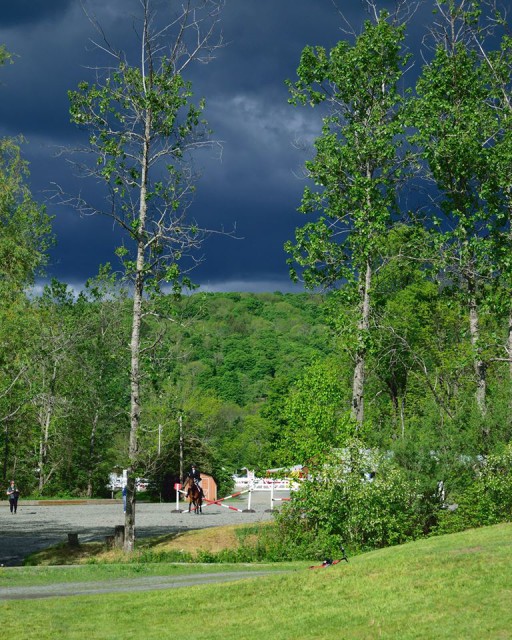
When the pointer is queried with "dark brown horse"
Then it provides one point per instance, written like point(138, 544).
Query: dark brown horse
point(195, 496)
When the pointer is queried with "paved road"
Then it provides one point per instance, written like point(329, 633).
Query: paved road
point(36, 527)
point(127, 585)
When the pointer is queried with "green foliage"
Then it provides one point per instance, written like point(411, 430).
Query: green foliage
point(25, 228)
point(462, 129)
point(486, 500)
point(357, 172)
point(286, 418)
point(364, 511)
point(356, 168)
point(25, 237)
point(5, 56)
point(142, 123)
point(73, 351)
point(315, 413)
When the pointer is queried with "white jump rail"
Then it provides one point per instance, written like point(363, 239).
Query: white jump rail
point(221, 500)
point(228, 506)
point(274, 499)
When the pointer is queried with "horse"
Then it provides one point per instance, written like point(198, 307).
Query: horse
point(195, 496)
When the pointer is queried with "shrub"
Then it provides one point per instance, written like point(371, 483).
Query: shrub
point(359, 498)
point(487, 500)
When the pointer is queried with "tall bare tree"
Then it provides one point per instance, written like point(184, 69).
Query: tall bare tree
point(143, 126)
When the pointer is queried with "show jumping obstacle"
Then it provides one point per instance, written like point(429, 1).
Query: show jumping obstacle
point(264, 484)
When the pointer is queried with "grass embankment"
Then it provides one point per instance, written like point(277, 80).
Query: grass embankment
point(189, 546)
point(453, 587)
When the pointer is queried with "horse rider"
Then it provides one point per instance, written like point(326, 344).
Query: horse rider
point(195, 477)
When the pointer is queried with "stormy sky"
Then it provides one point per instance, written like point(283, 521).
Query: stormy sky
point(256, 182)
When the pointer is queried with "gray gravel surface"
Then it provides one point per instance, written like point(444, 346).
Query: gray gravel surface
point(37, 527)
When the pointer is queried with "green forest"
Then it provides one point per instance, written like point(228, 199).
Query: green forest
point(396, 361)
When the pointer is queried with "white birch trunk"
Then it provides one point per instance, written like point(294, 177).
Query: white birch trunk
point(92, 447)
point(45, 419)
point(478, 363)
point(357, 412)
point(129, 536)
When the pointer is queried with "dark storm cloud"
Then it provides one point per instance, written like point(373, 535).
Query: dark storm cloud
point(255, 184)
point(22, 12)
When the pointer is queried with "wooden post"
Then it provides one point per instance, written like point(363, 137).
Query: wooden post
point(119, 536)
point(73, 540)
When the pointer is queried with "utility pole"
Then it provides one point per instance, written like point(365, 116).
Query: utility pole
point(180, 421)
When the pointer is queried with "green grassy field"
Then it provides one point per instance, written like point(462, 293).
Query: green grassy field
point(453, 587)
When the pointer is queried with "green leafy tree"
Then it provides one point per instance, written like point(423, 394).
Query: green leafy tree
point(49, 377)
point(356, 171)
point(460, 140)
point(25, 237)
point(25, 228)
point(5, 56)
point(497, 66)
point(487, 30)
point(449, 110)
point(315, 419)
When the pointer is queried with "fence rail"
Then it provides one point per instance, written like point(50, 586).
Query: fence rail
point(266, 484)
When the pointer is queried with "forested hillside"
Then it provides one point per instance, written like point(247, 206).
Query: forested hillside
point(255, 380)
point(213, 361)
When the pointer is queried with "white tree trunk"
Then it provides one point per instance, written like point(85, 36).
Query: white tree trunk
point(478, 363)
point(357, 412)
point(509, 345)
point(92, 447)
point(129, 537)
point(46, 411)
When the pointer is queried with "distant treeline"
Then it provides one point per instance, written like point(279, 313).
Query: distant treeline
point(254, 380)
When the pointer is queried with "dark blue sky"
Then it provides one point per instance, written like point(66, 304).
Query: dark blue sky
point(257, 183)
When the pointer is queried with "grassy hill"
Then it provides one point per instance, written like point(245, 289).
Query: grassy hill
point(452, 587)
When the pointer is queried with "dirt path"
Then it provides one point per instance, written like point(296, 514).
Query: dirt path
point(124, 585)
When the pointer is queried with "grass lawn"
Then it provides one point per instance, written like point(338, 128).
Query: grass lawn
point(453, 587)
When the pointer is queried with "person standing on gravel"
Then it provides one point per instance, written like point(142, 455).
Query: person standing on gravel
point(13, 493)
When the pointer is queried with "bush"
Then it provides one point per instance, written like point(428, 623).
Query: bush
point(359, 498)
point(487, 500)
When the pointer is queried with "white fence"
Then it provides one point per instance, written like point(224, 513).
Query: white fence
point(117, 481)
point(265, 484)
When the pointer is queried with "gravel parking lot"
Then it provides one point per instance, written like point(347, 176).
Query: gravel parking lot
point(37, 526)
